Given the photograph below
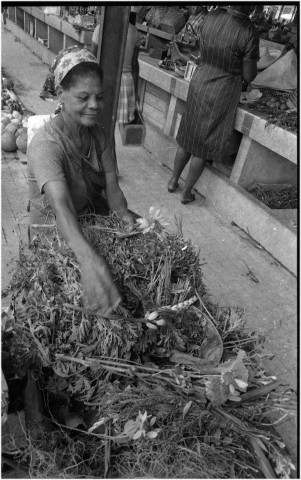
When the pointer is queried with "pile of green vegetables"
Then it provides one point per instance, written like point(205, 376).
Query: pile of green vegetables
point(169, 385)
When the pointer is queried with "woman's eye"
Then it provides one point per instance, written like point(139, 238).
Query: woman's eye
point(82, 98)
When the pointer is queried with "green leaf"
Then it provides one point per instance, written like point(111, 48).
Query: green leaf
point(186, 408)
point(137, 434)
point(60, 369)
point(130, 427)
point(263, 462)
point(151, 325)
point(152, 422)
point(216, 390)
point(212, 346)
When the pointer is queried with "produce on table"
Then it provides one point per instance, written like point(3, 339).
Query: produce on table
point(276, 107)
point(169, 386)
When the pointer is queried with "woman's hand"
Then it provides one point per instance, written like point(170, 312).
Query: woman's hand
point(100, 291)
point(128, 220)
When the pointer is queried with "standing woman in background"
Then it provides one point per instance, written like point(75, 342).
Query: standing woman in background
point(229, 51)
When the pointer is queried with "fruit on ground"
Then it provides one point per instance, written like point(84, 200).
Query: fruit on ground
point(21, 130)
point(17, 115)
point(11, 128)
point(8, 142)
point(21, 142)
point(5, 122)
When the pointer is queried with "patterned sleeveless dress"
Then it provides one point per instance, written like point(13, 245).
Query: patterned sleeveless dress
point(227, 39)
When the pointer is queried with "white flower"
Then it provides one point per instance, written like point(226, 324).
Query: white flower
point(143, 223)
point(155, 220)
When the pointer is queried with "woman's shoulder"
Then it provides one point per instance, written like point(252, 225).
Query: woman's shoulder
point(42, 136)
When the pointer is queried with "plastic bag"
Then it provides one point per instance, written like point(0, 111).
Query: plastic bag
point(281, 75)
point(34, 123)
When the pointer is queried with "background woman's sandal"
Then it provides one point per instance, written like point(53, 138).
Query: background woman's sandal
point(172, 186)
point(186, 200)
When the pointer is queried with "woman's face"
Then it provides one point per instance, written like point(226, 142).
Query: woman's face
point(83, 102)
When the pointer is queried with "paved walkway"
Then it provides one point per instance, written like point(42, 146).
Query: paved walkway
point(228, 254)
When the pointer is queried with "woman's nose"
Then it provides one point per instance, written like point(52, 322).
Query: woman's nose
point(93, 102)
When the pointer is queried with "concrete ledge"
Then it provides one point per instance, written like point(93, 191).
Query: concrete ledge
point(35, 12)
point(233, 203)
point(274, 138)
point(238, 206)
point(30, 42)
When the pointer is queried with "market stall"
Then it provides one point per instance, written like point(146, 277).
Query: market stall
point(53, 28)
point(163, 95)
point(265, 151)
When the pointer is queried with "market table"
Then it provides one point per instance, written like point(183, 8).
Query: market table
point(267, 153)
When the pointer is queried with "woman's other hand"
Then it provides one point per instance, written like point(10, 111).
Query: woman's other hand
point(99, 289)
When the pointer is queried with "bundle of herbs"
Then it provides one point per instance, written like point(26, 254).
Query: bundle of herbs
point(168, 386)
point(277, 198)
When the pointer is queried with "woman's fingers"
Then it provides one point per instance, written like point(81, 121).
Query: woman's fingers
point(128, 220)
point(99, 289)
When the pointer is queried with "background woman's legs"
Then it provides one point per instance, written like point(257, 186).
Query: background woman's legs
point(196, 168)
point(181, 160)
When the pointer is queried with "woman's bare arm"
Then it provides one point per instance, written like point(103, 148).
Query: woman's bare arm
point(249, 70)
point(116, 200)
point(98, 285)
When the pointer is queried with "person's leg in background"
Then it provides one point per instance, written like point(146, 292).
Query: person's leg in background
point(196, 169)
point(181, 159)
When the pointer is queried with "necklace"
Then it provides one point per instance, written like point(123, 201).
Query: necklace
point(85, 157)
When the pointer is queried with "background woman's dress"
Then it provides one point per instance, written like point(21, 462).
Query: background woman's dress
point(227, 38)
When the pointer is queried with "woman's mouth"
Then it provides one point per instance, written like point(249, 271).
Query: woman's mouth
point(91, 114)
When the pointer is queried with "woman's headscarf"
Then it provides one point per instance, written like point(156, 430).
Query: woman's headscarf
point(69, 58)
point(59, 69)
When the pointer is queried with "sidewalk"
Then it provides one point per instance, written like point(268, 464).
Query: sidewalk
point(228, 255)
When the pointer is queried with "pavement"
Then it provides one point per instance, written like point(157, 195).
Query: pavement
point(236, 271)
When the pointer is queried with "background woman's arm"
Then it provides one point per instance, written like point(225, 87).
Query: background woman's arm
point(249, 70)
